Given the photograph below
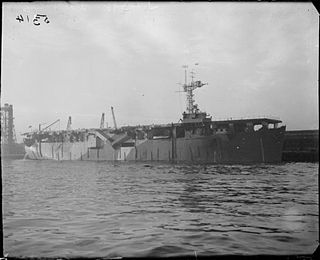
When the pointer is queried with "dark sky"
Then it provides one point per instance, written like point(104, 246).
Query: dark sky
point(258, 59)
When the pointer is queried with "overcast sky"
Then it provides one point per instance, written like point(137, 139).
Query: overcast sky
point(258, 59)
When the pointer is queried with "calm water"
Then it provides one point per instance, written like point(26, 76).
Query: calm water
point(103, 209)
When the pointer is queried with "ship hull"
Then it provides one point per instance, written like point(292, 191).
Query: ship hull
point(253, 147)
point(263, 146)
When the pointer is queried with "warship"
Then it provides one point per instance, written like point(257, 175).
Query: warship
point(196, 138)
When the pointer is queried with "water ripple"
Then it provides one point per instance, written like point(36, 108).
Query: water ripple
point(99, 209)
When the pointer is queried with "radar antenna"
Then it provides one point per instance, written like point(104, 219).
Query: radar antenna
point(189, 88)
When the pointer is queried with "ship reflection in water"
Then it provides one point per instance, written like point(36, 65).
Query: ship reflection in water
point(96, 209)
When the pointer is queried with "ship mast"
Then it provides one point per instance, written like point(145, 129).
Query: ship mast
point(189, 88)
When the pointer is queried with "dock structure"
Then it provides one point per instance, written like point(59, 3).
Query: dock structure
point(9, 146)
point(301, 146)
point(7, 128)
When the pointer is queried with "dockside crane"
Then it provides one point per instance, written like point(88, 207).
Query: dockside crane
point(114, 118)
point(69, 124)
point(102, 121)
point(58, 120)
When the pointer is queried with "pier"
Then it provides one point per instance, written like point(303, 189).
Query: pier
point(301, 146)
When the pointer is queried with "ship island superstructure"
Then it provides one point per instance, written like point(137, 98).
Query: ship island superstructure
point(196, 138)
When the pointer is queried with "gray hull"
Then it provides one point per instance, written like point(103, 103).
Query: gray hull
point(255, 147)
